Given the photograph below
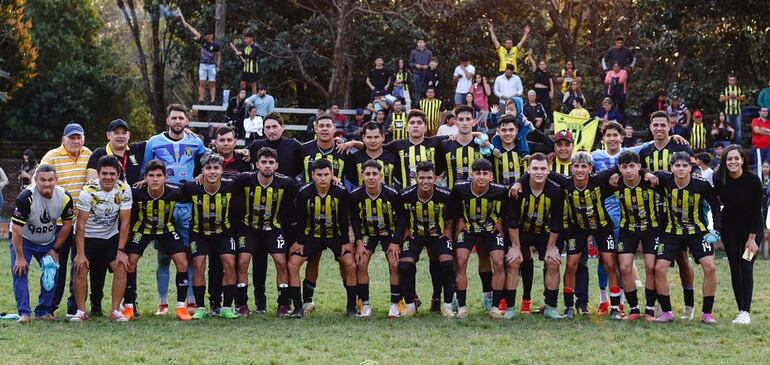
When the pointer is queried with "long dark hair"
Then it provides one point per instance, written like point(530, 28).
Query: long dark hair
point(31, 160)
point(722, 170)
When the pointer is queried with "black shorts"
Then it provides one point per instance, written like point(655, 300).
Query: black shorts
point(538, 241)
point(218, 244)
point(629, 241)
point(490, 240)
point(313, 246)
point(249, 77)
point(577, 241)
point(371, 243)
point(168, 243)
point(101, 252)
point(412, 246)
point(273, 241)
point(671, 245)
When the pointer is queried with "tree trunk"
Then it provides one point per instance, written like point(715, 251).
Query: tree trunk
point(158, 81)
point(219, 19)
point(342, 68)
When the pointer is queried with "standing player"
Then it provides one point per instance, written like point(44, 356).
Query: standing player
point(151, 218)
point(250, 72)
point(373, 217)
point(373, 137)
point(426, 222)
point(685, 195)
point(99, 241)
point(534, 220)
point(510, 163)
point(322, 222)
point(431, 107)
point(479, 206)
point(269, 203)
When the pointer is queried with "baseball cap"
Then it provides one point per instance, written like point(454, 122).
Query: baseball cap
point(377, 92)
point(117, 123)
point(697, 114)
point(564, 135)
point(359, 111)
point(73, 128)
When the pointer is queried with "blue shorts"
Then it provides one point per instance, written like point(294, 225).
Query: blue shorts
point(207, 72)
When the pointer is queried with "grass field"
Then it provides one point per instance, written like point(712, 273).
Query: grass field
point(328, 337)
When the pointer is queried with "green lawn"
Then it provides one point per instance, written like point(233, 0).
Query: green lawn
point(328, 337)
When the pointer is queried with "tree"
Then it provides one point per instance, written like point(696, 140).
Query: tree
point(18, 56)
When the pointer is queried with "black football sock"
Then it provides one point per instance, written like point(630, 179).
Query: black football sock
point(448, 276)
point(461, 297)
point(435, 277)
point(284, 298)
point(527, 270)
point(708, 304)
point(181, 286)
point(486, 281)
point(689, 296)
point(129, 296)
point(406, 274)
point(510, 297)
point(308, 290)
point(229, 292)
point(650, 296)
point(296, 296)
point(200, 294)
point(350, 290)
point(569, 297)
point(241, 290)
point(497, 296)
point(665, 302)
point(633, 301)
point(363, 292)
point(395, 294)
point(551, 297)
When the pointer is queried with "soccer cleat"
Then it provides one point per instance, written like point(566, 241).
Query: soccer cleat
point(283, 311)
point(604, 308)
point(243, 311)
point(462, 313)
point(401, 306)
point(688, 313)
point(117, 316)
point(199, 314)
point(298, 312)
point(495, 313)
point(128, 312)
point(649, 318)
point(435, 305)
point(583, 310)
point(394, 312)
point(615, 314)
point(486, 301)
point(622, 309)
point(365, 312)
point(359, 304)
point(708, 318)
point(569, 313)
point(455, 303)
point(191, 307)
point(162, 310)
point(633, 317)
point(447, 310)
point(228, 313)
point(510, 313)
point(526, 306)
point(551, 312)
point(215, 311)
point(308, 307)
point(352, 312)
point(259, 310)
point(24, 319)
point(665, 317)
point(503, 305)
point(182, 314)
point(409, 311)
point(79, 316)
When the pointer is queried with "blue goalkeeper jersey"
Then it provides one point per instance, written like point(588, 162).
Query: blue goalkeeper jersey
point(179, 156)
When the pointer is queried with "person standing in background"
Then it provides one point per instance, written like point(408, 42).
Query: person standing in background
point(733, 97)
point(507, 53)
point(418, 62)
point(463, 75)
point(27, 168)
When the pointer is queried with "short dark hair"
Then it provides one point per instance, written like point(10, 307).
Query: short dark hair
point(662, 92)
point(434, 58)
point(108, 161)
point(463, 109)
point(276, 116)
point(538, 156)
point(430, 88)
point(248, 35)
point(506, 119)
point(321, 164)
point(322, 107)
point(45, 168)
point(267, 152)
point(176, 108)
point(153, 165)
point(371, 163)
point(464, 58)
point(426, 166)
point(481, 165)
point(416, 113)
point(579, 101)
point(613, 125)
point(252, 107)
point(322, 117)
point(704, 156)
point(627, 157)
point(372, 126)
point(221, 131)
point(658, 114)
point(680, 156)
point(510, 67)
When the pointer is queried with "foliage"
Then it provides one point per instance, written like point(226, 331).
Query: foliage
point(18, 55)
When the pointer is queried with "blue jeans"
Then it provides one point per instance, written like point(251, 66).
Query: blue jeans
point(182, 217)
point(764, 155)
point(21, 283)
point(735, 122)
point(459, 98)
point(417, 81)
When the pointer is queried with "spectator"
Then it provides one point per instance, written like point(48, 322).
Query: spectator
point(264, 103)
point(253, 126)
point(234, 160)
point(338, 117)
point(469, 101)
point(432, 108)
point(568, 74)
point(508, 54)
point(210, 62)
point(721, 133)
point(534, 111)
point(433, 76)
point(402, 79)
point(397, 121)
point(311, 121)
point(543, 83)
point(578, 110)
point(379, 78)
point(3, 184)
point(608, 112)
point(655, 103)
point(481, 92)
point(379, 103)
point(130, 156)
point(679, 109)
point(569, 97)
point(760, 136)
point(236, 110)
point(617, 85)
point(733, 98)
point(418, 62)
point(380, 117)
point(360, 119)
point(508, 86)
point(764, 97)
point(448, 128)
point(27, 169)
point(698, 133)
point(702, 160)
point(463, 76)
point(628, 138)
point(623, 56)
point(250, 73)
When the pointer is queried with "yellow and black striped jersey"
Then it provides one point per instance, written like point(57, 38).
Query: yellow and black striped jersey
point(480, 212)
point(455, 159)
point(638, 212)
point(310, 151)
point(250, 56)
point(586, 205)
point(432, 110)
point(398, 125)
point(210, 210)
point(538, 213)
point(561, 167)
point(509, 167)
point(409, 154)
point(698, 135)
point(375, 216)
point(268, 207)
point(424, 218)
point(686, 205)
point(354, 167)
point(732, 106)
point(322, 216)
point(154, 215)
point(654, 159)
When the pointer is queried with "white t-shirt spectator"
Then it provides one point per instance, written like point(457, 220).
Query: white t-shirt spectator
point(447, 130)
point(464, 83)
point(255, 125)
point(508, 87)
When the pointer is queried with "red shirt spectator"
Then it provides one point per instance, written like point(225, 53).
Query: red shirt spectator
point(761, 128)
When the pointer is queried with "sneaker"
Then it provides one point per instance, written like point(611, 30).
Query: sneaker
point(128, 312)
point(118, 316)
point(551, 312)
point(435, 305)
point(162, 310)
point(447, 311)
point(228, 313)
point(742, 318)
point(366, 311)
point(215, 311)
point(24, 319)
point(182, 314)
point(298, 312)
point(649, 318)
point(199, 314)
point(746, 318)
point(616, 314)
point(503, 305)
point(359, 305)
point(79, 316)
point(495, 313)
point(604, 308)
point(191, 307)
point(401, 306)
point(688, 313)
point(510, 313)
point(486, 301)
point(243, 311)
point(583, 310)
point(569, 313)
point(462, 313)
point(409, 311)
point(708, 318)
point(259, 310)
point(283, 311)
point(665, 317)
point(308, 307)
point(633, 317)
point(394, 312)
point(526, 307)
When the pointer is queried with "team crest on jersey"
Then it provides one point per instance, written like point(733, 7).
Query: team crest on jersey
point(620, 245)
point(405, 245)
point(241, 241)
point(193, 246)
point(659, 247)
point(118, 198)
point(571, 244)
point(188, 151)
point(137, 237)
